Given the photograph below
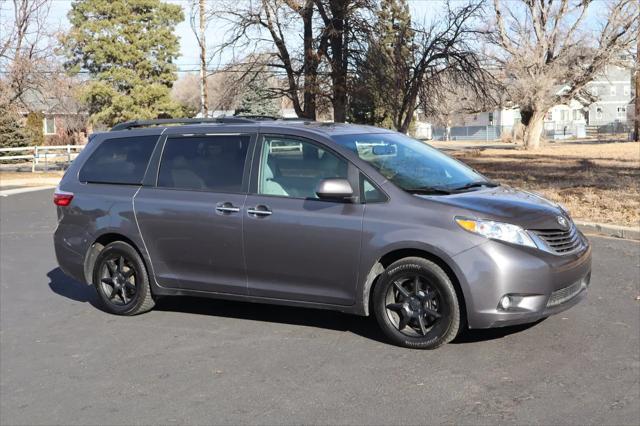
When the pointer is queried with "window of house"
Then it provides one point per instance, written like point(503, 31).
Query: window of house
point(564, 115)
point(622, 112)
point(577, 114)
point(626, 90)
point(49, 126)
point(612, 90)
point(205, 163)
point(599, 113)
point(119, 161)
point(548, 116)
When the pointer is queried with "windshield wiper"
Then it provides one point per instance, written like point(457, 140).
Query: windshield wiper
point(428, 190)
point(477, 184)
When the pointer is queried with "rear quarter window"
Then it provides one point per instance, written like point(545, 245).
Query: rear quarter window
point(119, 161)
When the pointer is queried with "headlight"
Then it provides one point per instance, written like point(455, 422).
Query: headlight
point(497, 231)
point(564, 209)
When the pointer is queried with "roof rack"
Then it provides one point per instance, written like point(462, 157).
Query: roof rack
point(160, 122)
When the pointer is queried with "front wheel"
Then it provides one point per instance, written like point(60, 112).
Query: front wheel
point(121, 279)
point(416, 305)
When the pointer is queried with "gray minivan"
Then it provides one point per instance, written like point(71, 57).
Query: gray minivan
point(333, 216)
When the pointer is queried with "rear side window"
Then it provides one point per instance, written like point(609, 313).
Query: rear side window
point(205, 163)
point(120, 161)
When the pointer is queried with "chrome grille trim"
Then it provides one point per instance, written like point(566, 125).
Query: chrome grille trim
point(565, 294)
point(560, 241)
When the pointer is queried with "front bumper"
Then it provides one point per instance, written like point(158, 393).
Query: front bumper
point(548, 283)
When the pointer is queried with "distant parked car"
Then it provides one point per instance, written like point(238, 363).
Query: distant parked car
point(333, 216)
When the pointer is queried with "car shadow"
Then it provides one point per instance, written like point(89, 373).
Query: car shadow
point(308, 317)
point(366, 327)
point(481, 335)
point(65, 286)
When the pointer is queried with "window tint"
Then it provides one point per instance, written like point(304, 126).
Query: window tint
point(209, 163)
point(371, 194)
point(293, 168)
point(121, 160)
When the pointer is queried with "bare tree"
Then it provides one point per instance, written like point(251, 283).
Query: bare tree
point(268, 31)
point(541, 44)
point(26, 52)
point(448, 96)
point(347, 26)
point(443, 53)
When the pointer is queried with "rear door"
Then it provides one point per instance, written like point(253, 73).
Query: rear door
point(297, 246)
point(191, 219)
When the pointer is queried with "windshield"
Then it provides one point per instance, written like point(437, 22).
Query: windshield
point(412, 165)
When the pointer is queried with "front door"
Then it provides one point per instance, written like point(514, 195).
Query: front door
point(298, 247)
point(191, 221)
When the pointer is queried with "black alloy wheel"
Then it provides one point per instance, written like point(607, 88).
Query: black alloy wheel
point(416, 304)
point(121, 279)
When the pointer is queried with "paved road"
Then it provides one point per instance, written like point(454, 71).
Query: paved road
point(62, 361)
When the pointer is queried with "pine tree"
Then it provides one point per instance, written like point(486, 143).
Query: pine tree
point(128, 47)
point(257, 99)
point(381, 76)
point(12, 133)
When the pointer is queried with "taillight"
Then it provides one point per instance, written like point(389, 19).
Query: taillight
point(62, 198)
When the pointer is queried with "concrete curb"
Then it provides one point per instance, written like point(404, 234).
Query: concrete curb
point(626, 232)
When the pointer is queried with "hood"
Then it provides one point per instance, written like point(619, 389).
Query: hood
point(506, 204)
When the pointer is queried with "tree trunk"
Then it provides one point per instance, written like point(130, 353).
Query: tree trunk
point(338, 60)
point(310, 64)
point(533, 120)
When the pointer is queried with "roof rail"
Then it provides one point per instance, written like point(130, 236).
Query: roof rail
point(162, 121)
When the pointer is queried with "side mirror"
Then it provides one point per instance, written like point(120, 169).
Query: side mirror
point(334, 189)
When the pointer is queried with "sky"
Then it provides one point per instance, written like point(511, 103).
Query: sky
point(189, 56)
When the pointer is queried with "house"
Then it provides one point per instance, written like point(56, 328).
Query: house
point(613, 90)
point(64, 121)
point(609, 113)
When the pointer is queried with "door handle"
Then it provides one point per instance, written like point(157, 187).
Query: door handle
point(227, 208)
point(260, 210)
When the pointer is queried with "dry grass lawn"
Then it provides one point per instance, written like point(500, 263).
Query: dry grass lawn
point(8, 178)
point(596, 181)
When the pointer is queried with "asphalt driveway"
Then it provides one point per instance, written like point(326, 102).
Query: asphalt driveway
point(62, 361)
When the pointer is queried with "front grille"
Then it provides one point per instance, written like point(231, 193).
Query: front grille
point(560, 241)
point(564, 294)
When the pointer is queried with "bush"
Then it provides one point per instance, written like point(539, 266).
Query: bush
point(34, 127)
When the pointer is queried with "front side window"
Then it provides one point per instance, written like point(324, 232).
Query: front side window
point(119, 161)
point(204, 163)
point(292, 167)
point(410, 164)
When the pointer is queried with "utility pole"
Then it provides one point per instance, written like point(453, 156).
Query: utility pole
point(204, 107)
point(636, 118)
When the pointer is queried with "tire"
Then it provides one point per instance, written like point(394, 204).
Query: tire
point(407, 314)
point(121, 280)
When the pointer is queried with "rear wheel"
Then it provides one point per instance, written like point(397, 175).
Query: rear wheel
point(416, 305)
point(121, 279)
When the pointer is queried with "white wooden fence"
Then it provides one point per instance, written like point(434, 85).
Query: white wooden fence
point(42, 154)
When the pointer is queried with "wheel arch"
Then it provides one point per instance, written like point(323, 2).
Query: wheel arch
point(99, 244)
point(400, 253)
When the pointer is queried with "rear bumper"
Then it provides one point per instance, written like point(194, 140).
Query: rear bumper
point(548, 284)
point(71, 262)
